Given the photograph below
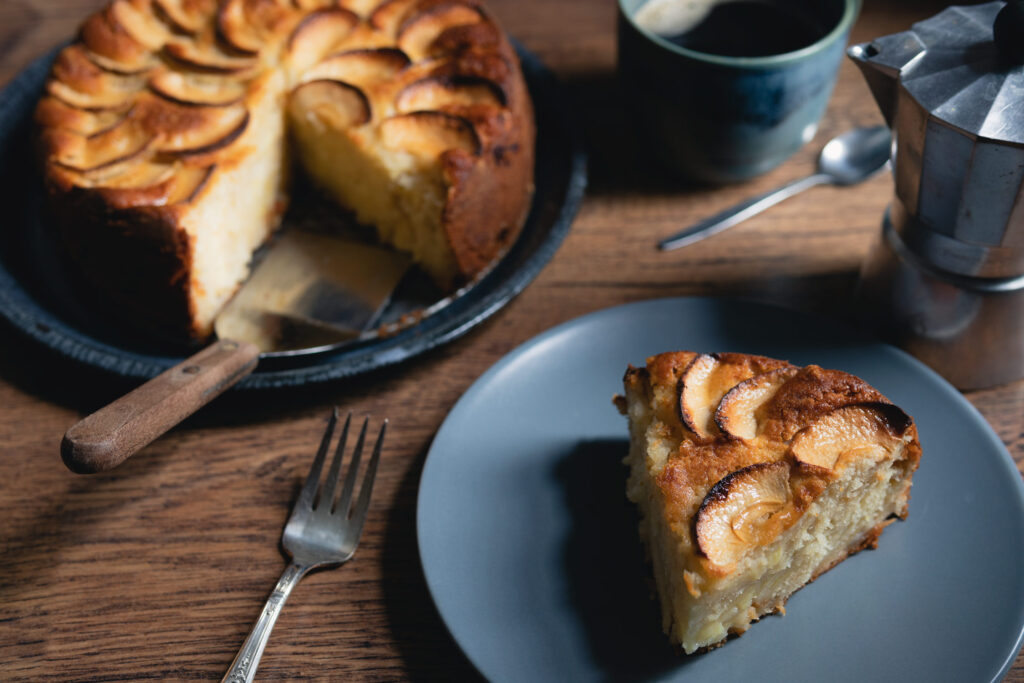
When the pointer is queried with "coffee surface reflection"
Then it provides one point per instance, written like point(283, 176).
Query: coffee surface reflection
point(732, 28)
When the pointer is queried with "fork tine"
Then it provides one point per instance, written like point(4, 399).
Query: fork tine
point(353, 468)
point(331, 483)
point(363, 504)
point(313, 478)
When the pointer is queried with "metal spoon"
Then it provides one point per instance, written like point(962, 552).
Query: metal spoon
point(846, 159)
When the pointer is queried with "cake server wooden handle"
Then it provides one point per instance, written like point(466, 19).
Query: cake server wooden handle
point(109, 436)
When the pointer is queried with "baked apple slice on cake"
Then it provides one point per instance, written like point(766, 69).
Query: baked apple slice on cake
point(753, 477)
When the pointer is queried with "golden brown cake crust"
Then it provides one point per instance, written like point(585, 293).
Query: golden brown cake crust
point(696, 473)
point(488, 195)
point(753, 477)
point(157, 99)
point(812, 392)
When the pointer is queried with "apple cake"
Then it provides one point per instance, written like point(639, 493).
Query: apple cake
point(752, 477)
point(168, 129)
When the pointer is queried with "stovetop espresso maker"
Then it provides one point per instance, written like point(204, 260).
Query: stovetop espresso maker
point(945, 279)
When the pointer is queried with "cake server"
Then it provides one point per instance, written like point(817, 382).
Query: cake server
point(309, 290)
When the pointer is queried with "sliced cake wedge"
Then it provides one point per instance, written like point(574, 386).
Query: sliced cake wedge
point(753, 477)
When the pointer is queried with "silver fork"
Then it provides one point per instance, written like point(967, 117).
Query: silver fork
point(320, 532)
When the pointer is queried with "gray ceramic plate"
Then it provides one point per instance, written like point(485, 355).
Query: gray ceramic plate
point(530, 552)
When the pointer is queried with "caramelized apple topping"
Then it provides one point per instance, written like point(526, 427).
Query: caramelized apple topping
point(388, 15)
point(418, 33)
point(438, 92)
point(103, 100)
point(737, 413)
point(200, 89)
point(106, 38)
point(360, 7)
point(138, 175)
point(153, 184)
point(334, 103)
point(318, 34)
point(186, 16)
point(361, 68)
point(428, 134)
point(746, 509)
point(54, 113)
point(695, 395)
point(153, 86)
point(123, 142)
point(185, 130)
point(145, 28)
point(317, 4)
point(239, 31)
point(850, 433)
point(207, 57)
point(79, 82)
point(210, 134)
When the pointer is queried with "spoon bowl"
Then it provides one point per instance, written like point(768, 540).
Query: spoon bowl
point(856, 155)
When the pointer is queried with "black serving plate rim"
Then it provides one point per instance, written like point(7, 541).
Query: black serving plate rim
point(508, 278)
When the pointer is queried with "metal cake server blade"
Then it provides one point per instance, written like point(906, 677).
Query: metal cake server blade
point(309, 290)
point(312, 290)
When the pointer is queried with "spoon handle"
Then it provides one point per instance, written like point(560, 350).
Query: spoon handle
point(741, 212)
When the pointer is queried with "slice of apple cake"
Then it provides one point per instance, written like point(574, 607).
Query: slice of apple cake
point(753, 477)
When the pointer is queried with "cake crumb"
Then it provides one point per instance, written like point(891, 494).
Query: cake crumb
point(691, 583)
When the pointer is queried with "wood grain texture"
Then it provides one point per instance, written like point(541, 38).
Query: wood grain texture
point(157, 569)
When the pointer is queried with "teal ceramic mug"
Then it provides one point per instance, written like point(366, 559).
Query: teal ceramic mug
point(721, 119)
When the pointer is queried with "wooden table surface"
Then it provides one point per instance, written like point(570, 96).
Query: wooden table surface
point(157, 569)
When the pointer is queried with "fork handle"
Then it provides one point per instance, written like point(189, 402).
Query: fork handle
point(243, 668)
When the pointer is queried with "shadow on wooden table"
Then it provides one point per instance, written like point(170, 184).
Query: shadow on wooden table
point(28, 549)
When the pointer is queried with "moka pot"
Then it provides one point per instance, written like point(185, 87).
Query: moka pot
point(945, 278)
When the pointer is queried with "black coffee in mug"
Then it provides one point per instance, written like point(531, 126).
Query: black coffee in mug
point(748, 28)
point(715, 116)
